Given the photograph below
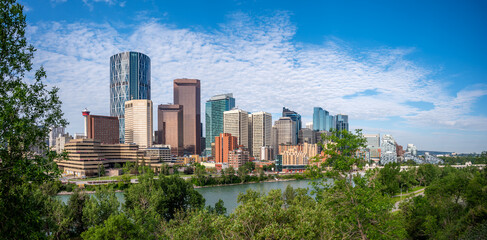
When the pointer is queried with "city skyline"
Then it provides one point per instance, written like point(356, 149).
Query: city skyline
point(270, 59)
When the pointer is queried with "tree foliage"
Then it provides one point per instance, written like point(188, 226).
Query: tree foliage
point(454, 207)
point(100, 206)
point(342, 150)
point(359, 208)
point(28, 109)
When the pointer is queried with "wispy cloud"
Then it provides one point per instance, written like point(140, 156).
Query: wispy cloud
point(90, 3)
point(257, 59)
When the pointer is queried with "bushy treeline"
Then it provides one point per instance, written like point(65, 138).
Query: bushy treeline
point(246, 173)
point(394, 181)
point(454, 206)
point(474, 159)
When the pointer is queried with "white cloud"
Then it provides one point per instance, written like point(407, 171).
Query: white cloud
point(257, 59)
point(454, 112)
point(90, 3)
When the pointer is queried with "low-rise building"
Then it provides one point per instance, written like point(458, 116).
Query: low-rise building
point(85, 156)
point(163, 152)
point(238, 157)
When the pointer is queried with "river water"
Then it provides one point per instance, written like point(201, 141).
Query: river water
point(230, 193)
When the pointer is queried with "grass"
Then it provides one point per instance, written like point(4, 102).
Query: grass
point(406, 194)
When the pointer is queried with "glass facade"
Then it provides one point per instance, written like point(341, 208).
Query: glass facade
point(130, 76)
point(321, 119)
point(316, 118)
point(341, 122)
point(330, 122)
point(296, 117)
point(214, 117)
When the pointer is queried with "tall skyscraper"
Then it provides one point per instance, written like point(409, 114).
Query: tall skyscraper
point(214, 117)
point(138, 122)
point(236, 122)
point(285, 128)
point(295, 117)
point(330, 122)
point(130, 77)
point(170, 127)
point(187, 92)
point(321, 119)
point(274, 140)
point(341, 122)
point(224, 143)
point(261, 132)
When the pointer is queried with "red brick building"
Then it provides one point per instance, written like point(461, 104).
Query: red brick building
point(103, 128)
point(223, 145)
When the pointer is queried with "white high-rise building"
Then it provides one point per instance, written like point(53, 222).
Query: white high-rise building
point(261, 132)
point(411, 149)
point(236, 122)
point(61, 140)
point(53, 134)
point(388, 150)
point(138, 122)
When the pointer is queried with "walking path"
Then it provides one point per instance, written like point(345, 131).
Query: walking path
point(407, 196)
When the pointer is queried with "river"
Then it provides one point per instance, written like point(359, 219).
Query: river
point(230, 193)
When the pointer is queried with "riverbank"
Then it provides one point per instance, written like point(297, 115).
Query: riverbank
point(62, 193)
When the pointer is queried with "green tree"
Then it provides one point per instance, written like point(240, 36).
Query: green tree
point(359, 209)
point(75, 207)
point(28, 109)
point(164, 169)
point(161, 197)
point(199, 170)
point(59, 221)
point(242, 173)
point(427, 173)
point(116, 227)
point(343, 151)
point(249, 166)
point(389, 178)
point(101, 170)
point(219, 208)
point(100, 206)
point(446, 211)
point(197, 225)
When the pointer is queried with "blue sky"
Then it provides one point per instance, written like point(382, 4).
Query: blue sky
point(413, 69)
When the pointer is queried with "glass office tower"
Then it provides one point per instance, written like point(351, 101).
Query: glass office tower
point(316, 118)
point(214, 117)
point(129, 80)
point(341, 122)
point(296, 117)
point(321, 119)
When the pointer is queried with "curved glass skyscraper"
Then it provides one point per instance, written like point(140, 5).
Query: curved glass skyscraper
point(129, 80)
